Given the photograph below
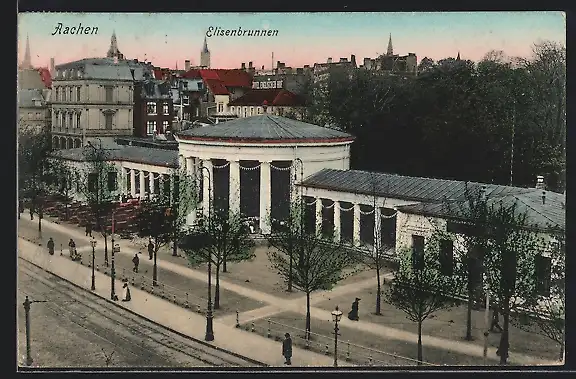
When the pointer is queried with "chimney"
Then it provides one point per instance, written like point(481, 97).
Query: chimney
point(329, 60)
point(262, 67)
point(343, 59)
point(278, 64)
point(540, 182)
point(353, 59)
point(52, 67)
point(483, 192)
point(543, 197)
point(187, 65)
point(249, 64)
point(243, 66)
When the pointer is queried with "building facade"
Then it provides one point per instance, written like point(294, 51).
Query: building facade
point(153, 108)
point(278, 102)
point(34, 113)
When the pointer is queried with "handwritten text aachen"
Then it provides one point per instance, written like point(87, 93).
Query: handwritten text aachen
point(73, 30)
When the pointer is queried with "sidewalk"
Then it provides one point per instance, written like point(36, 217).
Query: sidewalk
point(173, 316)
point(277, 305)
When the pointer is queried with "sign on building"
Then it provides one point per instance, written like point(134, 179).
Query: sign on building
point(270, 84)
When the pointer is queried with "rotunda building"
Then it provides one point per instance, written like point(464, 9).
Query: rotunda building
point(252, 165)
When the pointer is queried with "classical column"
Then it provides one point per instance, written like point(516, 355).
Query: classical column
point(142, 186)
point(125, 180)
point(337, 226)
point(161, 184)
point(234, 187)
point(377, 226)
point(151, 181)
point(191, 191)
point(318, 215)
point(208, 184)
point(356, 229)
point(132, 182)
point(265, 197)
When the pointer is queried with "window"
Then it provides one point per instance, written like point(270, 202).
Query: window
point(64, 92)
point(112, 181)
point(447, 257)
point(108, 121)
point(165, 125)
point(165, 109)
point(151, 107)
point(151, 127)
point(78, 93)
point(259, 110)
point(251, 111)
point(200, 85)
point(109, 94)
point(543, 270)
point(78, 120)
point(244, 111)
point(220, 107)
point(231, 109)
point(71, 92)
point(92, 182)
point(417, 252)
point(57, 93)
point(71, 120)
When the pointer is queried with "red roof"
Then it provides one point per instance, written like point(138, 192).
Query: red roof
point(218, 80)
point(45, 76)
point(273, 97)
point(158, 74)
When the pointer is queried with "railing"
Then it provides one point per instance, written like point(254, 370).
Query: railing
point(347, 351)
point(172, 294)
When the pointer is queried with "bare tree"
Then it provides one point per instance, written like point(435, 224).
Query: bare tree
point(420, 287)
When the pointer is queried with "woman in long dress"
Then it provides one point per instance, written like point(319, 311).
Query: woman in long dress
point(126, 295)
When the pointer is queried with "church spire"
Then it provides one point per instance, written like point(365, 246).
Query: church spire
point(390, 50)
point(27, 62)
point(458, 57)
point(113, 51)
point(205, 48)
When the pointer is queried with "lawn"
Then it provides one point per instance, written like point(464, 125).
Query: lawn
point(449, 324)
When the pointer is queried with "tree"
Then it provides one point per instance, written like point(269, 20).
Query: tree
point(62, 180)
point(509, 262)
point(34, 148)
point(220, 235)
point(156, 221)
point(377, 255)
point(183, 201)
point(546, 308)
point(419, 287)
point(317, 262)
point(97, 184)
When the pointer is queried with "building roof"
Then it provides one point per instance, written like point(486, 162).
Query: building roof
point(31, 78)
point(106, 68)
point(265, 128)
point(27, 98)
point(156, 89)
point(219, 80)
point(135, 154)
point(45, 76)
point(273, 97)
point(433, 195)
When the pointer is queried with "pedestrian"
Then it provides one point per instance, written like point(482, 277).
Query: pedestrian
point(150, 249)
point(88, 228)
point(72, 248)
point(495, 324)
point(31, 212)
point(136, 261)
point(20, 208)
point(51, 246)
point(353, 314)
point(287, 349)
point(126, 296)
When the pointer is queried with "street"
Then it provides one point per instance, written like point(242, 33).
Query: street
point(71, 327)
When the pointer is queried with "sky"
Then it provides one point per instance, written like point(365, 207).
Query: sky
point(167, 39)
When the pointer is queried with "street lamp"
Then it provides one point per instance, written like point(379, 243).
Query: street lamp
point(209, 317)
point(93, 242)
point(336, 316)
point(112, 270)
point(26, 304)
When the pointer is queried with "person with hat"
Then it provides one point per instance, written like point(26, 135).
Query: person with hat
point(353, 314)
point(126, 296)
point(287, 349)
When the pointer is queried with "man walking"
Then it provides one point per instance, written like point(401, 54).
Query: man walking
point(72, 248)
point(88, 229)
point(51, 246)
point(136, 262)
point(495, 320)
point(287, 349)
point(150, 249)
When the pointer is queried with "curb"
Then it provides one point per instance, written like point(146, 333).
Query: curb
point(217, 348)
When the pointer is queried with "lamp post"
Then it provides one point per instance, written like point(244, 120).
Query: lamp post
point(209, 316)
point(93, 242)
point(336, 316)
point(27, 304)
point(112, 270)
